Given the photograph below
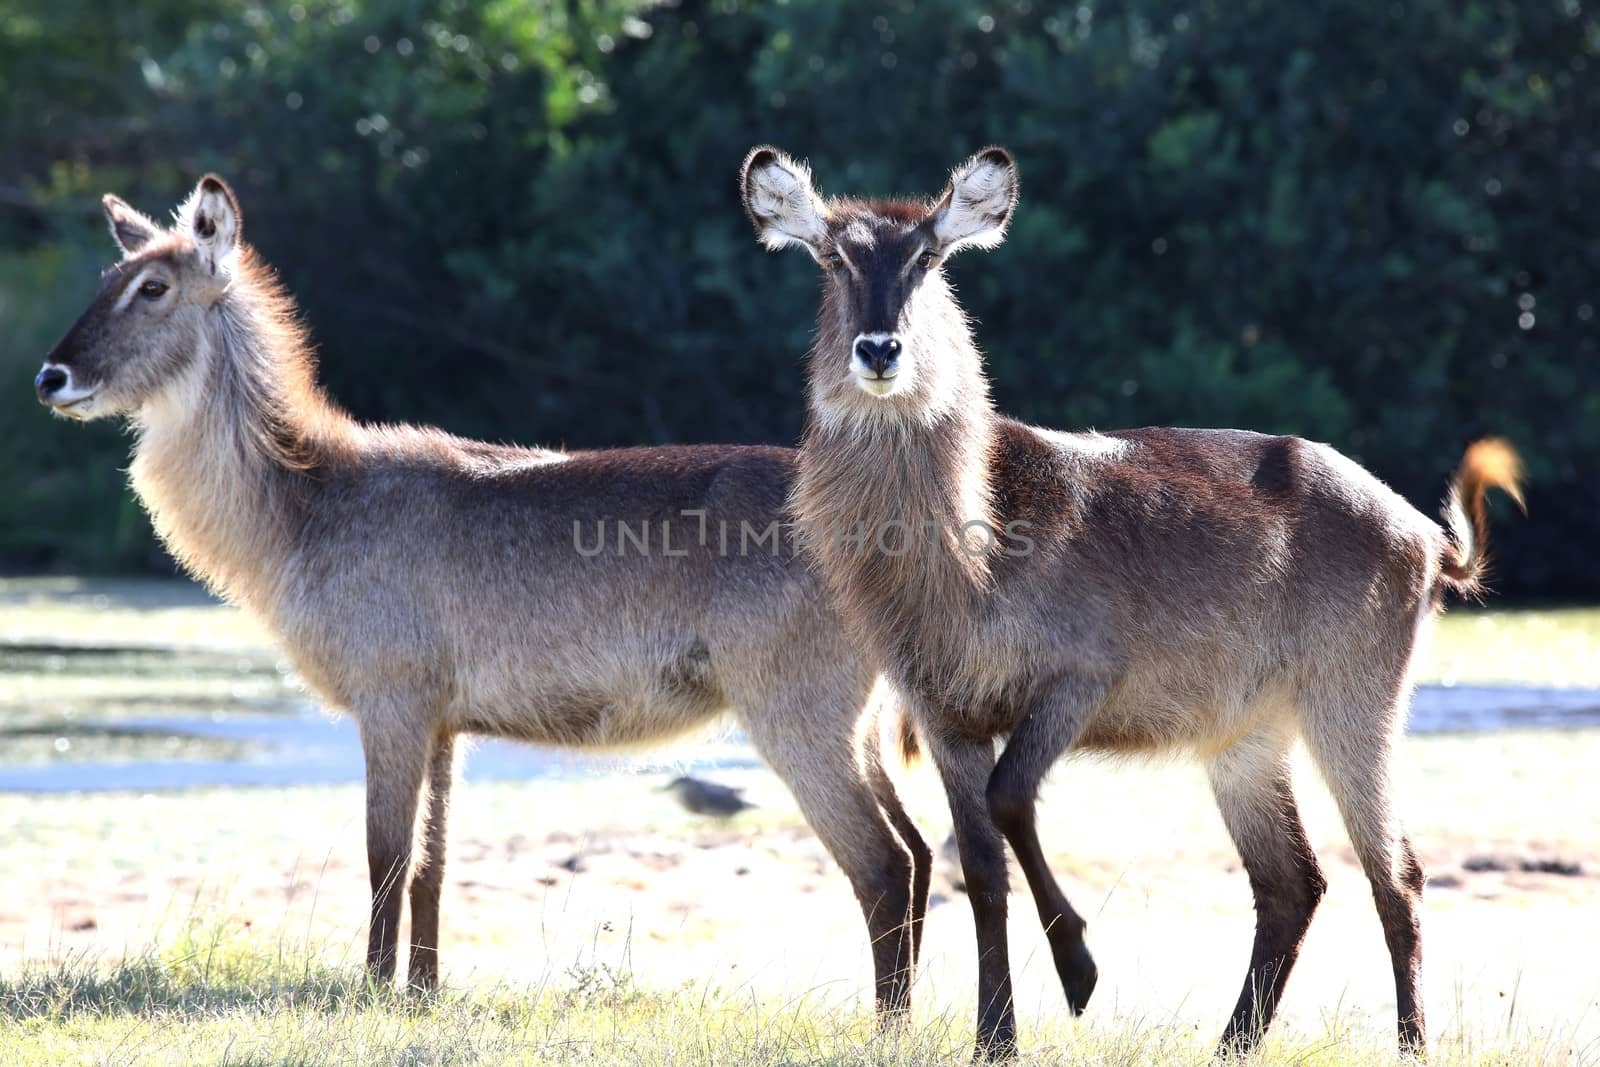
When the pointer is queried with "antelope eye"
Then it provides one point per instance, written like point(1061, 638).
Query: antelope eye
point(152, 290)
point(925, 260)
point(832, 260)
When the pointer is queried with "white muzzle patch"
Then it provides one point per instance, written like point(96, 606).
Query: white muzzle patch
point(866, 377)
point(72, 399)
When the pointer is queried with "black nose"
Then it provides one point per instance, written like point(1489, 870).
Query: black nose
point(879, 356)
point(48, 382)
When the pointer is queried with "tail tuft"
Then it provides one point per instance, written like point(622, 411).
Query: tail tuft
point(1488, 464)
point(1492, 462)
point(910, 746)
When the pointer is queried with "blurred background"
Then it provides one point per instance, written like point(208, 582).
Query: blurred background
point(1365, 223)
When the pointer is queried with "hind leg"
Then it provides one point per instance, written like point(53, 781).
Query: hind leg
point(818, 755)
point(921, 861)
point(1252, 787)
point(882, 786)
point(1354, 752)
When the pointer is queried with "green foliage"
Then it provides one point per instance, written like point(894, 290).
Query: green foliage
point(1361, 224)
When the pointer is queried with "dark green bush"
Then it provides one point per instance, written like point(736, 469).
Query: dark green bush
point(1356, 222)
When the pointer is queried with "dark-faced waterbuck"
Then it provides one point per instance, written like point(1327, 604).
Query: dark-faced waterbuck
point(1210, 591)
point(432, 586)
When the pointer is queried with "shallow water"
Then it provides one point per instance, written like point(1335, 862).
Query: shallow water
point(145, 718)
point(151, 685)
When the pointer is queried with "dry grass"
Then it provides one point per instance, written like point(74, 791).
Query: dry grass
point(212, 999)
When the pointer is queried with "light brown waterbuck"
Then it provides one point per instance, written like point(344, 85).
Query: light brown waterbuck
point(1210, 591)
point(433, 586)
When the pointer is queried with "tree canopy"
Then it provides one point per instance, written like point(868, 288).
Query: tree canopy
point(1360, 223)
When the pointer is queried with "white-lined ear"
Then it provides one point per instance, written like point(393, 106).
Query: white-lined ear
point(130, 229)
point(212, 220)
point(977, 204)
point(780, 201)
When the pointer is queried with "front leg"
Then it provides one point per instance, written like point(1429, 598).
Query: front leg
point(964, 765)
point(1046, 731)
point(422, 962)
point(396, 748)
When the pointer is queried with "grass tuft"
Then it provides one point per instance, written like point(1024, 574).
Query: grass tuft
point(209, 999)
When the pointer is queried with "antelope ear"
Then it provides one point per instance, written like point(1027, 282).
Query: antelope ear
point(212, 218)
point(131, 230)
point(779, 199)
point(977, 204)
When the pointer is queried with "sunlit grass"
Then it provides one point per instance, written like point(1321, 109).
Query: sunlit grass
point(1553, 647)
point(121, 613)
point(207, 998)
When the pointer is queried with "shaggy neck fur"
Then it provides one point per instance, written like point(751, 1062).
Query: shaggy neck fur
point(229, 454)
point(903, 474)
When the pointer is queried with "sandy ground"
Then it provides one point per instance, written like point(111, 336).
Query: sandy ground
point(546, 877)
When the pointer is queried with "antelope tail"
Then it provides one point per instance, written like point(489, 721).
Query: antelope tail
point(1488, 464)
point(910, 746)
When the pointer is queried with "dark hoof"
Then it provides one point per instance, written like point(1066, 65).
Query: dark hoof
point(1245, 1032)
point(1236, 1045)
point(1413, 1044)
point(1078, 978)
point(997, 1048)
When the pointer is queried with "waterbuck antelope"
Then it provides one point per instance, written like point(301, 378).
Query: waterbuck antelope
point(1214, 591)
point(431, 585)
